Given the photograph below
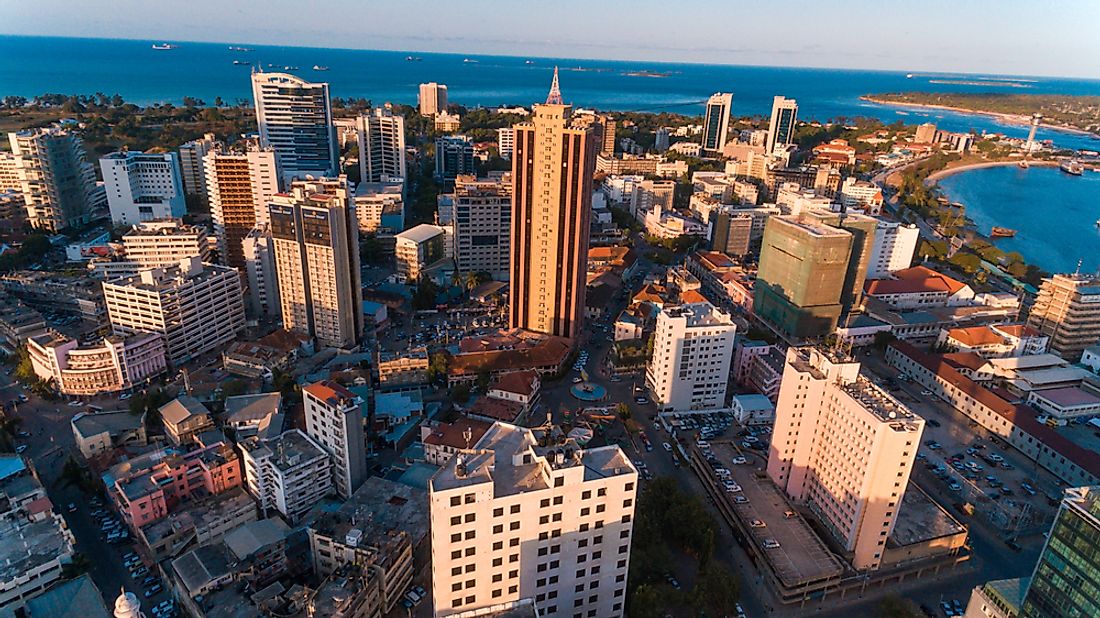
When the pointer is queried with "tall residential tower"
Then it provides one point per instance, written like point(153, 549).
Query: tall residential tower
point(295, 118)
point(50, 169)
point(716, 122)
point(781, 125)
point(381, 145)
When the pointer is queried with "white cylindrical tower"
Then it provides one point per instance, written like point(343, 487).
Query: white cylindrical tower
point(127, 605)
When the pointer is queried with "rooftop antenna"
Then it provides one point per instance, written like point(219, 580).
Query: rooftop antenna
point(1077, 272)
point(554, 98)
point(468, 434)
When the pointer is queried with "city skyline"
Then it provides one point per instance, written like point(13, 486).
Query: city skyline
point(892, 38)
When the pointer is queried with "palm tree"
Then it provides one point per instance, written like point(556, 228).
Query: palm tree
point(472, 280)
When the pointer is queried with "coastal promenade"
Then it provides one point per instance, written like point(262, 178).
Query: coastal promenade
point(948, 171)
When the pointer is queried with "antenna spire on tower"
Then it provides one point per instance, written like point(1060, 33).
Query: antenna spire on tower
point(554, 98)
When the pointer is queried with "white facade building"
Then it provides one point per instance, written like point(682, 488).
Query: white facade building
point(513, 520)
point(165, 242)
point(380, 206)
point(240, 185)
point(50, 169)
point(417, 248)
point(893, 249)
point(692, 351)
point(334, 420)
point(192, 170)
point(506, 142)
point(113, 365)
point(294, 118)
point(143, 186)
point(433, 99)
point(289, 473)
point(381, 145)
point(258, 249)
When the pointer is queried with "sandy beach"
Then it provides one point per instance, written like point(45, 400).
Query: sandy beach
point(937, 175)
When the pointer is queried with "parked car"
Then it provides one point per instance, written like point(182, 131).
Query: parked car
point(667, 446)
point(770, 544)
point(756, 523)
point(739, 461)
point(153, 591)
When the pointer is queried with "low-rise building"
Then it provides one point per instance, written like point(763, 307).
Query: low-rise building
point(288, 473)
point(262, 358)
point(116, 364)
point(418, 248)
point(753, 409)
point(920, 287)
point(521, 387)
point(254, 415)
point(995, 340)
point(401, 371)
point(101, 432)
point(185, 417)
point(198, 522)
point(442, 440)
point(545, 354)
point(18, 324)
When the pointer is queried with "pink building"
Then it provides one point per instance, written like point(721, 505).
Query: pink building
point(151, 493)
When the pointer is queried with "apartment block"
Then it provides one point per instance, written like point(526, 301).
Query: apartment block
point(316, 238)
point(1067, 310)
point(143, 186)
point(506, 142)
point(513, 520)
point(418, 248)
point(192, 157)
point(843, 447)
point(380, 207)
point(196, 307)
point(164, 242)
point(50, 169)
point(483, 225)
point(716, 122)
point(894, 247)
point(692, 350)
point(294, 118)
point(433, 99)
point(454, 156)
point(289, 473)
point(335, 420)
point(115, 364)
point(381, 145)
point(240, 185)
point(258, 253)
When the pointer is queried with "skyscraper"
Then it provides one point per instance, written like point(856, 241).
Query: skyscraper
point(240, 185)
point(692, 350)
point(433, 99)
point(482, 225)
point(192, 155)
point(781, 125)
point(142, 186)
point(381, 145)
point(295, 118)
point(335, 421)
point(1067, 577)
point(454, 156)
point(844, 447)
point(716, 122)
point(552, 170)
point(316, 237)
point(258, 252)
point(51, 171)
point(1067, 310)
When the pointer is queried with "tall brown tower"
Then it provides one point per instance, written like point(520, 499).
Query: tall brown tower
point(552, 168)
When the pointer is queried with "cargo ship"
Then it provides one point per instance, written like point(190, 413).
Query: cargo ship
point(1002, 232)
point(164, 46)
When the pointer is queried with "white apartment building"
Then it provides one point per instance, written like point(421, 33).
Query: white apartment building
point(506, 142)
point(844, 447)
point(483, 225)
point(511, 520)
point(619, 189)
point(192, 155)
point(196, 307)
point(856, 193)
point(335, 421)
point(142, 186)
point(115, 364)
point(258, 249)
point(893, 249)
point(294, 118)
point(316, 239)
point(417, 248)
point(381, 145)
point(51, 171)
point(380, 206)
point(692, 351)
point(239, 186)
point(164, 242)
point(433, 99)
point(289, 473)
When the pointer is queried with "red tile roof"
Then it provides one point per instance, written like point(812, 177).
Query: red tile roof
point(692, 296)
point(496, 409)
point(975, 336)
point(966, 360)
point(41, 505)
point(551, 351)
point(329, 392)
point(451, 434)
point(1018, 330)
point(912, 281)
point(518, 382)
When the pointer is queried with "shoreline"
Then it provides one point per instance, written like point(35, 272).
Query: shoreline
point(1012, 119)
point(938, 175)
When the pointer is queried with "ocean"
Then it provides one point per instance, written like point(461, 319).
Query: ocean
point(1053, 213)
point(31, 66)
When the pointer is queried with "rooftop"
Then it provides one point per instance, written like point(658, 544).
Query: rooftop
point(249, 538)
point(882, 404)
point(518, 382)
point(26, 546)
point(88, 425)
point(287, 450)
point(421, 233)
point(201, 513)
point(75, 598)
point(181, 409)
point(453, 434)
point(975, 336)
point(496, 409)
point(201, 566)
point(251, 408)
point(378, 508)
point(921, 519)
point(914, 280)
point(1068, 397)
point(331, 393)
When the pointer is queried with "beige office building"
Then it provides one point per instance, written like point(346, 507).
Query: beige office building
point(316, 239)
point(192, 157)
point(433, 99)
point(240, 185)
point(164, 242)
point(381, 145)
point(513, 520)
point(552, 170)
point(844, 448)
point(1067, 310)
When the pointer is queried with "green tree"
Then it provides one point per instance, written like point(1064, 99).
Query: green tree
point(437, 366)
point(716, 590)
point(483, 379)
point(894, 606)
point(648, 601)
point(461, 393)
point(622, 411)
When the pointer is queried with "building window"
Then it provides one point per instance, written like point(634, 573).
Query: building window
point(456, 501)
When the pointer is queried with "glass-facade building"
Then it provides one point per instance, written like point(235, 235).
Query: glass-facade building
point(1066, 581)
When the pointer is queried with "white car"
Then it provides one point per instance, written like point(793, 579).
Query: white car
point(740, 461)
point(667, 446)
point(770, 544)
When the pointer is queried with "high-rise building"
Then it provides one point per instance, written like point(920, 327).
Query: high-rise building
point(258, 252)
point(294, 118)
point(660, 139)
point(513, 520)
point(240, 186)
point(316, 238)
point(483, 225)
point(381, 145)
point(692, 350)
point(716, 122)
point(843, 447)
point(433, 99)
point(506, 141)
point(152, 244)
point(782, 123)
point(731, 231)
point(196, 307)
point(552, 172)
point(1067, 310)
point(893, 249)
point(862, 228)
point(334, 420)
point(289, 473)
point(454, 156)
point(605, 127)
point(192, 155)
point(52, 172)
point(1067, 578)
point(926, 133)
point(142, 186)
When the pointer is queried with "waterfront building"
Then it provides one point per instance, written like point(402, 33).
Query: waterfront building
point(114, 365)
point(142, 186)
point(551, 207)
point(289, 473)
point(716, 123)
point(483, 225)
point(843, 447)
point(433, 99)
point(1067, 310)
point(196, 307)
point(316, 238)
point(294, 118)
point(335, 421)
point(894, 246)
point(454, 156)
point(192, 156)
point(920, 287)
point(692, 351)
point(781, 125)
point(861, 194)
point(51, 171)
point(418, 248)
point(381, 146)
point(926, 133)
point(519, 520)
point(240, 186)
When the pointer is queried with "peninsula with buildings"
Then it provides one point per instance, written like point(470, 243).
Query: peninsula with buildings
point(1072, 113)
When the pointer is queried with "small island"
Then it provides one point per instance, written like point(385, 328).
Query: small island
point(1073, 113)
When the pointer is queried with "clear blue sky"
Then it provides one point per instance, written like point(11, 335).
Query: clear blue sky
point(977, 36)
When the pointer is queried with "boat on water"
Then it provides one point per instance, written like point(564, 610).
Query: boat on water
point(290, 68)
point(318, 67)
point(1098, 223)
point(470, 61)
point(164, 46)
point(529, 62)
point(1072, 167)
point(242, 62)
point(240, 49)
point(1024, 164)
point(412, 58)
point(1002, 232)
point(908, 76)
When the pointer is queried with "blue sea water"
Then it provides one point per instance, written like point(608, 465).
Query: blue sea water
point(35, 65)
point(1053, 213)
